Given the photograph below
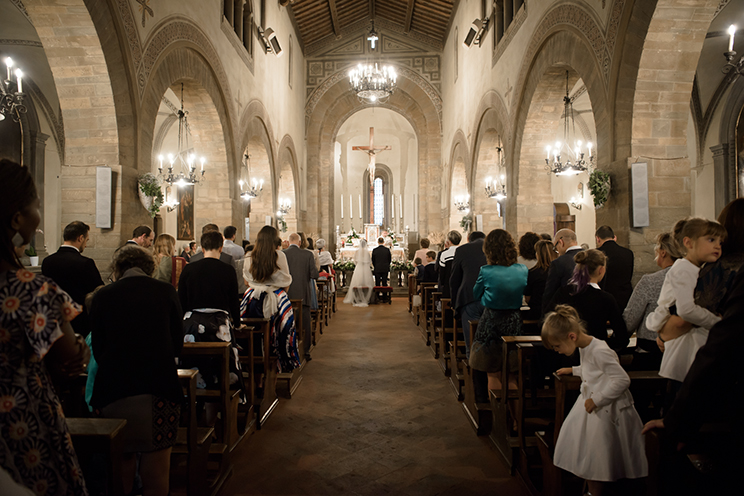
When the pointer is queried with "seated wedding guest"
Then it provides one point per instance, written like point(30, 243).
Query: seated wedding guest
point(421, 252)
point(444, 262)
point(224, 257)
point(34, 438)
point(168, 268)
point(73, 272)
point(430, 267)
point(562, 268)
point(229, 246)
point(267, 277)
point(647, 355)
point(324, 256)
point(499, 288)
point(208, 291)
point(303, 270)
point(595, 306)
point(188, 250)
point(418, 269)
point(136, 353)
point(469, 258)
point(527, 255)
point(536, 277)
point(620, 262)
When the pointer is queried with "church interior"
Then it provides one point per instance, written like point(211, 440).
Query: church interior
point(413, 117)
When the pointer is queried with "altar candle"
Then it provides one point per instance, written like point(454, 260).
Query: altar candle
point(360, 206)
point(393, 213)
point(342, 206)
point(400, 204)
point(351, 209)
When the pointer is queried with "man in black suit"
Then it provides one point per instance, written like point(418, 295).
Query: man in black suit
point(469, 258)
point(381, 258)
point(76, 274)
point(142, 236)
point(302, 268)
point(561, 269)
point(619, 266)
point(224, 257)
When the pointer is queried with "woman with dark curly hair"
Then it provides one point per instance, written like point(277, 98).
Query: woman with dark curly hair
point(136, 333)
point(499, 288)
point(527, 255)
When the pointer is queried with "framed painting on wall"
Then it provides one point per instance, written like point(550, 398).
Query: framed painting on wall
point(185, 216)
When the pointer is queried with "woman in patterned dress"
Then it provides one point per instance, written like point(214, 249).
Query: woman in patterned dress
point(36, 339)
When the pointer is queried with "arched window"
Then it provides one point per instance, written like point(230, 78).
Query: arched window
point(378, 202)
point(378, 194)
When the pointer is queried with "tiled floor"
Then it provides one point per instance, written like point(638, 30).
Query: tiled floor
point(374, 415)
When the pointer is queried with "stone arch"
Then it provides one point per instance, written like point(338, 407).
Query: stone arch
point(289, 180)
point(257, 139)
point(95, 125)
point(656, 85)
point(328, 109)
point(455, 181)
point(185, 62)
point(531, 208)
point(492, 127)
point(729, 183)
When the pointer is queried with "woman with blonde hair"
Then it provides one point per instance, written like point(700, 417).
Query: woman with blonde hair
point(164, 250)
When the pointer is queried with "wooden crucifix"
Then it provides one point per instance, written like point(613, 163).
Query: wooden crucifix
point(371, 150)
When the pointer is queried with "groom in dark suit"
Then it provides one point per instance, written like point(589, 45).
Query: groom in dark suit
point(381, 258)
point(76, 274)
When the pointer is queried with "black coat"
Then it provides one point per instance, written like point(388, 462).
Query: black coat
point(302, 268)
point(137, 333)
point(619, 272)
point(469, 258)
point(381, 258)
point(77, 275)
point(560, 271)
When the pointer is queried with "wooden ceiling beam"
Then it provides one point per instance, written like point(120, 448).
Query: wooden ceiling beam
point(372, 9)
point(334, 18)
point(409, 15)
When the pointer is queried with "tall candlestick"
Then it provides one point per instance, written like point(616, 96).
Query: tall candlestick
point(393, 212)
point(360, 207)
point(342, 206)
point(351, 209)
point(400, 204)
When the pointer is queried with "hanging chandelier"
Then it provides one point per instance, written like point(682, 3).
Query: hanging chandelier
point(11, 93)
point(181, 169)
point(462, 203)
point(251, 187)
point(284, 207)
point(563, 149)
point(372, 83)
point(737, 67)
point(497, 189)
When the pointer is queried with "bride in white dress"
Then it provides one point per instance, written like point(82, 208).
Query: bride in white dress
point(360, 289)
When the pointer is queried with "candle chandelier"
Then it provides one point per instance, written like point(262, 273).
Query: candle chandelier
point(181, 169)
point(251, 187)
point(737, 67)
point(284, 207)
point(496, 189)
point(11, 93)
point(462, 203)
point(370, 82)
point(563, 149)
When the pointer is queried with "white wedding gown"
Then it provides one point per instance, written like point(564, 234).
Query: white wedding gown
point(362, 283)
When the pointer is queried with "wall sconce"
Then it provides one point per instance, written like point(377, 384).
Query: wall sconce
point(268, 38)
point(476, 32)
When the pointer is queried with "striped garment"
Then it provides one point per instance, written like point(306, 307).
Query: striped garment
point(283, 339)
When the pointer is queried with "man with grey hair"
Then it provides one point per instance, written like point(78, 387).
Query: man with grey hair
point(302, 268)
point(561, 269)
point(444, 261)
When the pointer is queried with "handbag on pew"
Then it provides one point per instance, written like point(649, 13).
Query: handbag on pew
point(416, 301)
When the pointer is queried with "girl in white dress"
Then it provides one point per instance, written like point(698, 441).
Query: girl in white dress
point(362, 284)
point(600, 440)
point(702, 240)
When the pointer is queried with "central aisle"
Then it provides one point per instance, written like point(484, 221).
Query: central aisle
point(373, 415)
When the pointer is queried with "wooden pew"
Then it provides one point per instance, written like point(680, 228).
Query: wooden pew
point(425, 311)
point(435, 323)
point(260, 366)
point(193, 443)
point(479, 414)
point(411, 291)
point(457, 357)
point(444, 336)
point(288, 382)
point(100, 435)
point(236, 420)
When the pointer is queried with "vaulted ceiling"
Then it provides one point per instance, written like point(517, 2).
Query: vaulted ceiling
point(320, 21)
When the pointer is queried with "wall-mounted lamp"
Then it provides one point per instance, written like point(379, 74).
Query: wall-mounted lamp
point(575, 203)
point(268, 37)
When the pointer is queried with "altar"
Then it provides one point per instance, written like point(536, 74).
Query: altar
point(349, 252)
point(348, 244)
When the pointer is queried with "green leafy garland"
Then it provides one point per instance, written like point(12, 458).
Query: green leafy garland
point(402, 266)
point(150, 186)
point(344, 266)
point(599, 186)
point(466, 222)
point(282, 224)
